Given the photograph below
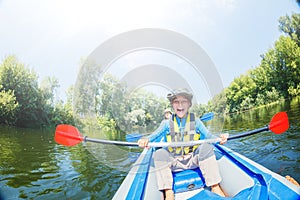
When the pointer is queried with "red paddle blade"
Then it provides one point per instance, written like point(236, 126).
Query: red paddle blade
point(67, 135)
point(279, 123)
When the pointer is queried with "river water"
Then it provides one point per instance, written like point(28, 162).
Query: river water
point(33, 166)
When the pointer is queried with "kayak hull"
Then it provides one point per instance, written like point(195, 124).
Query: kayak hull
point(242, 179)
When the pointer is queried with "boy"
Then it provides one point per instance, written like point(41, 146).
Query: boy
point(184, 126)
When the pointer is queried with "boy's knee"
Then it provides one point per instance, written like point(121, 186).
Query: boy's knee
point(205, 151)
point(161, 154)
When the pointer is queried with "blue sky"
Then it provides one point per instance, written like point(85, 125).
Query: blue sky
point(52, 36)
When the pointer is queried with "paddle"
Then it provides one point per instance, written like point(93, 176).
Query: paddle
point(207, 116)
point(278, 124)
point(69, 135)
point(136, 136)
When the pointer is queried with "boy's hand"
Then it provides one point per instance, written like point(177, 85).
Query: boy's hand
point(224, 138)
point(143, 142)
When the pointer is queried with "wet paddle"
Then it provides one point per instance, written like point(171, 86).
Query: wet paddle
point(207, 116)
point(278, 124)
point(68, 135)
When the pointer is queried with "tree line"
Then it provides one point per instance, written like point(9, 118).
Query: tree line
point(276, 78)
point(26, 103)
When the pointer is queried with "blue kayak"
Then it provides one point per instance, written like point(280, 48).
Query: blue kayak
point(242, 179)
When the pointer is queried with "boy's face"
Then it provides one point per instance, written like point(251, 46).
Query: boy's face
point(181, 106)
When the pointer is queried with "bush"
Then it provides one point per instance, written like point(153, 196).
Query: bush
point(294, 91)
point(8, 107)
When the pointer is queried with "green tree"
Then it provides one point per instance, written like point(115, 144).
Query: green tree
point(129, 110)
point(291, 26)
point(14, 76)
point(218, 104)
point(152, 105)
point(260, 75)
point(277, 77)
point(8, 106)
point(112, 104)
point(62, 113)
point(294, 91)
point(86, 88)
point(239, 93)
point(283, 62)
point(49, 86)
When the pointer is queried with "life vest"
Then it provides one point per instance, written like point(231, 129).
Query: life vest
point(186, 135)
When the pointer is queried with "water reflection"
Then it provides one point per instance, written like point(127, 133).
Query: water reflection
point(32, 166)
point(280, 153)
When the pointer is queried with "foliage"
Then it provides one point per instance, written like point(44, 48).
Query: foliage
point(283, 63)
point(85, 89)
point(27, 104)
point(294, 91)
point(239, 93)
point(199, 109)
point(8, 106)
point(61, 114)
point(106, 123)
point(276, 78)
point(290, 26)
point(117, 107)
point(16, 77)
point(48, 87)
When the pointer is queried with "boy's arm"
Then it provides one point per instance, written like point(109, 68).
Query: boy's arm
point(202, 130)
point(156, 135)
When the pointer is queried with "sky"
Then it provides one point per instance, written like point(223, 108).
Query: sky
point(53, 36)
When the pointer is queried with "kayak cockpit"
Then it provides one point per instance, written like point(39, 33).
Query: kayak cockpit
point(242, 179)
point(190, 184)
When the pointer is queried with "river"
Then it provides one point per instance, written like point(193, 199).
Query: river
point(33, 166)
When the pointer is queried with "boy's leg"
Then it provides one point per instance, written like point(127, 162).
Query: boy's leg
point(208, 164)
point(162, 163)
point(209, 167)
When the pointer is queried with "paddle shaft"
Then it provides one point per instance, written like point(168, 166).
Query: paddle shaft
point(120, 143)
point(252, 132)
point(152, 144)
point(176, 144)
point(191, 143)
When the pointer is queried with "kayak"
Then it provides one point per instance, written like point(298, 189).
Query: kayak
point(242, 179)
